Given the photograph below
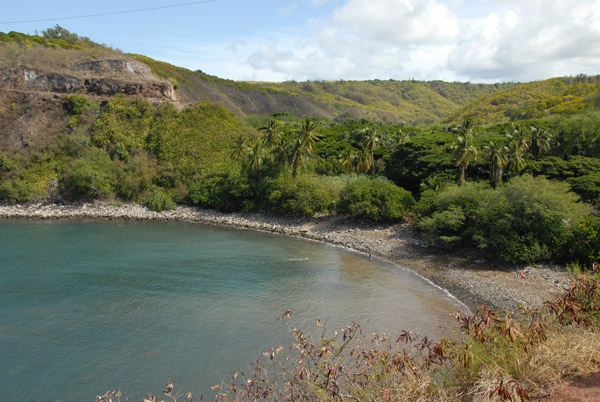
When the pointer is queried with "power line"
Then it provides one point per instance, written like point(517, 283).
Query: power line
point(109, 13)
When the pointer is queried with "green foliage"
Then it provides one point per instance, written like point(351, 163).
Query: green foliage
point(423, 155)
point(197, 140)
point(555, 96)
point(298, 196)
point(28, 41)
point(159, 201)
point(375, 199)
point(59, 33)
point(577, 135)
point(584, 244)
point(21, 190)
point(80, 104)
point(91, 177)
point(6, 165)
point(526, 220)
point(452, 215)
point(137, 177)
point(123, 126)
point(225, 193)
point(588, 187)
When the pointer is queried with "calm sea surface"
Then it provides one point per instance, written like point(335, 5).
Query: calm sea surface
point(87, 307)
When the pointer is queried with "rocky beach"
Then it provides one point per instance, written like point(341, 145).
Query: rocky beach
point(471, 278)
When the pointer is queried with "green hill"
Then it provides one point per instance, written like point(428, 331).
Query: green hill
point(411, 102)
point(532, 100)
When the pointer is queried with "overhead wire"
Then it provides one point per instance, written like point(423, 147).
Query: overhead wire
point(110, 13)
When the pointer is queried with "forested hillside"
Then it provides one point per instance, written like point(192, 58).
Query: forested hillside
point(540, 99)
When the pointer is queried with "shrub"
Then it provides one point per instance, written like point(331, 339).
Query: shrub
point(159, 201)
point(588, 187)
point(79, 104)
point(88, 179)
point(528, 219)
point(225, 193)
point(584, 244)
point(6, 165)
point(375, 199)
point(539, 214)
point(457, 215)
point(19, 190)
point(298, 196)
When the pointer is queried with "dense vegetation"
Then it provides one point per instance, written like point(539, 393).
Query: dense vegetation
point(541, 99)
point(522, 184)
point(517, 195)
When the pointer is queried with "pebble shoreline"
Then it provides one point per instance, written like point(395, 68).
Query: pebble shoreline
point(469, 278)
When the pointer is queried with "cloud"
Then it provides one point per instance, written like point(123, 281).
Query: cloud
point(365, 39)
point(463, 40)
point(398, 21)
point(285, 11)
point(532, 40)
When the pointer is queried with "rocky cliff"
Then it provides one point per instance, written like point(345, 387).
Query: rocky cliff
point(100, 78)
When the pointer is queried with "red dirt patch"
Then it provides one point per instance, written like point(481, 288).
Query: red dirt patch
point(586, 388)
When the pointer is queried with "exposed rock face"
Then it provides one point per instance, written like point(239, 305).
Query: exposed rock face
point(29, 79)
point(101, 67)
point(32, 79)
point(109, 87)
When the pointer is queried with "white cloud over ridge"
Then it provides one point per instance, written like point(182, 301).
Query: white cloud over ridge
point(452, 40)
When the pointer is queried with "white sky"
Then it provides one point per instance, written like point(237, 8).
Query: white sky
point(269, 40)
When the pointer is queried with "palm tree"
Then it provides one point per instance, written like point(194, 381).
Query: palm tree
point(239, 149)
point(540, 141)
point(308, 138)
point(515, 157)
point(496, 154)
point(363, 160)
point(434, 183)
point(348, 159)
point(272, 135)
point(255, 160)
point(520, 137)
point(401, 137)
point(370, 140)
point(464, 150)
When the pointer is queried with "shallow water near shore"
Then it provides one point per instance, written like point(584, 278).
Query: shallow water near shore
point(87, 307)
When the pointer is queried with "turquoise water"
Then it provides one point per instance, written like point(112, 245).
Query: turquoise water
point(87, 307)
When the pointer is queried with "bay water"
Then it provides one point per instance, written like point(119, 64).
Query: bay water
point(88, 306)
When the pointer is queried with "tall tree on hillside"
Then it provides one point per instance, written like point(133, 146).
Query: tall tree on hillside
point(464, 150)
point(520, 137)
point(363, 160)
point(308, 138)
point(370, 140)
point(272, 135)
point(540, 141)
point(496, 156)
point(348, 159)
point(515, 157)
point(239, 148)
point(255, 160)
point(401, 136)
